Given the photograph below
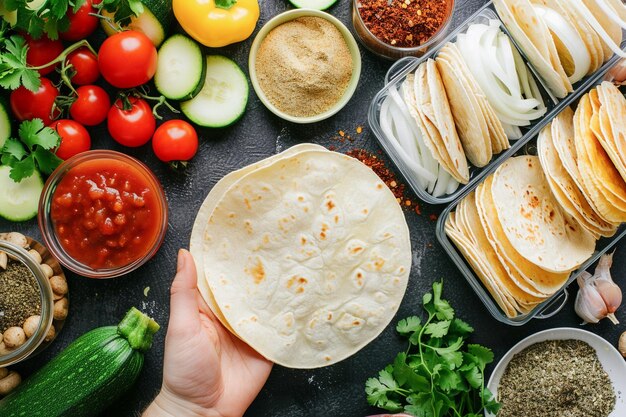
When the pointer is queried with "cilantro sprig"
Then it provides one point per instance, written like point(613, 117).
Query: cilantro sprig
point(439, 375)
point(51, 17)
point(33, 150)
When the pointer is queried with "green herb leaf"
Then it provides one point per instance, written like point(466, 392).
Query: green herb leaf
point(483, 355)
point(14, 70)
point(420, 405)
point(453, 359)
point(409, 325)
point(22, 169)
point(438, 329)
point(33, 132)
point(46, 160)
point(123, 10)
point(442, 307)
point(460, 328)
point(407, 377)
point(474, 377)
point(489, 401)
point(378, 390)
point(14, 148)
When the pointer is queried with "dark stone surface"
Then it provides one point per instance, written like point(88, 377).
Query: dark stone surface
point(335, 391)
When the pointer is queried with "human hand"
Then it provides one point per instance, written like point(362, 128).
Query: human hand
point(207, 371)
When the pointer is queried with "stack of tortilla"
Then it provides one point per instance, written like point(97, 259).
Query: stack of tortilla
point(585, 27)
point(305, 256)
point(537, 218)
point(456, 120)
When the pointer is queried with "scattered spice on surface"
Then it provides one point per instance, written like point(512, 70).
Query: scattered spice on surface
point(418, 209)
point(19, 295)
point(359, 130)
point(433, 217)
point(556, 378)
point(403, 23)
point(304, 66)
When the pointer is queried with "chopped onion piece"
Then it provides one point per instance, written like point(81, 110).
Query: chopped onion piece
point(512, 132)
point(506, 81)
point(453, 185)
point(443, 179)
point(422, 175)
point(593, 22)
point(570, 38)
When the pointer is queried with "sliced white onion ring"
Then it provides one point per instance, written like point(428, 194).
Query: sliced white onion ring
point(568, 35)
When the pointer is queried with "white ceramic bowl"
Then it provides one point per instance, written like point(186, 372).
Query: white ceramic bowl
point(611, 360)
point(352, 46)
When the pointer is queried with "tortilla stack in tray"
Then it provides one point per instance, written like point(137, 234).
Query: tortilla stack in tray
point(565, 40)
point(537, 218)
point(305, 256)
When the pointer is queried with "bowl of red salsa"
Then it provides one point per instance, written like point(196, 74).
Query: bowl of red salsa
point(103, 214)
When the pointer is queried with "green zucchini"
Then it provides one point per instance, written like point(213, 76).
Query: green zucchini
point(86, 377)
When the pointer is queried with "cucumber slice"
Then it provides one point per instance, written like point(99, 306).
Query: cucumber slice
point(5, 124)
point(223, 98)
point(313, 4)
point(181, 68)
point(147, 23)
point(19, 200)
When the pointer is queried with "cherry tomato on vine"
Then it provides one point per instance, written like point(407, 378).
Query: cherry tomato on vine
point(91, 105)
point(85, 65)
point(82, 24)
point(133, 127)
point(175, 140)
point(127, 59)
point(74, 138)
point(41, 51)
point(27, 105)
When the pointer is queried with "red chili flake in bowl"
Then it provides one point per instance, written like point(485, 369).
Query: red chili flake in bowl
point(403, 23)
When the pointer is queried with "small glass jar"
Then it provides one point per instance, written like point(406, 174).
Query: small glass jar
point(385, 50)
point(47, 304)
point(46, 224)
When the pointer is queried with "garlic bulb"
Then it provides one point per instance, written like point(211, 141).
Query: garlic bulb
point(598, 296)
point(589, 304)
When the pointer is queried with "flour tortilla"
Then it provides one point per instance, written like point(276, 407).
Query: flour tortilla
point(196, 243)
point(528, 276)
point(309, 258)
point(600, 179)
point(612, 124)
point(533, 37)
point(468, 117)
point(565, 189)
point(592, 41)
point(533, 221)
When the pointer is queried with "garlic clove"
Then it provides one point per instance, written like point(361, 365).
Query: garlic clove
point(610, 293)
point(589, 304)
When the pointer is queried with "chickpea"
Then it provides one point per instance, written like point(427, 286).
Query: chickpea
point(622, 344)
point(59, 285)
point(35, 255)
point(31, 325)
point(15, 238)
point(47, 270)
point(4, 350)
point(3, 372)
point(14, 337)
point(9, 382)
point(61, 308)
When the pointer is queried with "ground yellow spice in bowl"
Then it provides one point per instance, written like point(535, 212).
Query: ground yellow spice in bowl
point(304, 65)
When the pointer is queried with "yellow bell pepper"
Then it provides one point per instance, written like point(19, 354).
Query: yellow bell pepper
point(216, 23)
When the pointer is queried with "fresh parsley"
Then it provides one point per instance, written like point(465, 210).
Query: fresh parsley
point(14, 71)
point(439, 375)
point(123, 9)
point(33, 150)
point(50, 18)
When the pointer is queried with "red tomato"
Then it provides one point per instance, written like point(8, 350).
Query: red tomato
point(85, 65)
point(74, 138)
point(41, 51)
point(132, 127)
point(91, 105)
point(82, 24)
point(175, 140)
point(127, 59)
point(27, 105)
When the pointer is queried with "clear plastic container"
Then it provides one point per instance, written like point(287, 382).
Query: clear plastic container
point(398, 72)
point(555, 303)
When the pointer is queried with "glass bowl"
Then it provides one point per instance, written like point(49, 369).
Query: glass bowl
point(46, 297)
point(47, 226)
point(385, 50)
